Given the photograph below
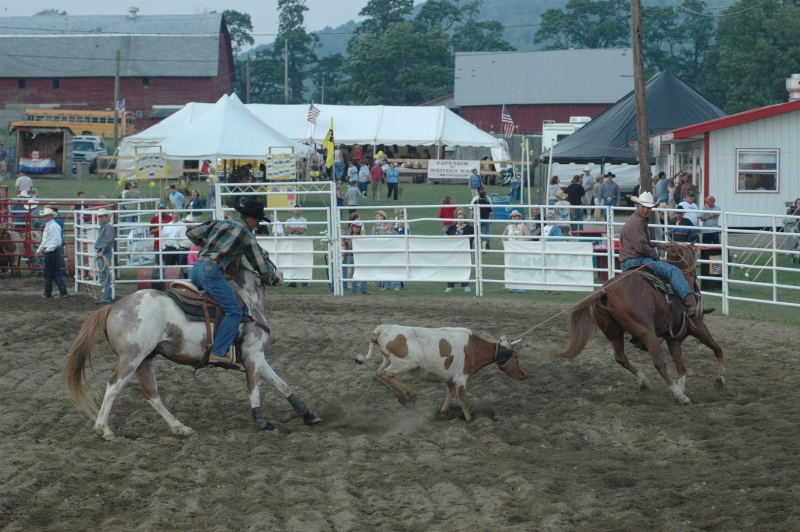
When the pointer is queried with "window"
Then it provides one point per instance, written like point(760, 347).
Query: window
point(757, 170)
point(138, 113)
point(38, 118)
point(95, 120)
point(145, 83)
point(56, 83)
point(21, 83)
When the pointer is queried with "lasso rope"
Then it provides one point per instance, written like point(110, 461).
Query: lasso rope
point(91, 288)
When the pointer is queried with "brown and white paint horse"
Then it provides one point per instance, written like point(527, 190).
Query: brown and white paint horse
point(149, 323)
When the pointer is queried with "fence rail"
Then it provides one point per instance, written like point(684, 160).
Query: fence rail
point(760, 263)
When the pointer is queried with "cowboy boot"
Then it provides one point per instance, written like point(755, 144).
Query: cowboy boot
point(690, 304)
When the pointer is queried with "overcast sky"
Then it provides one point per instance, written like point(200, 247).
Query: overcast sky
point(264, 13)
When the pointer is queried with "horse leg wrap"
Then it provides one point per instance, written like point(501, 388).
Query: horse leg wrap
point(260, 422)
point(309, 417)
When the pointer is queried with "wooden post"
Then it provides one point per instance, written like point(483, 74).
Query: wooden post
point(643, 136)
point(286, 71)
point(116, 99)
point(248, 79)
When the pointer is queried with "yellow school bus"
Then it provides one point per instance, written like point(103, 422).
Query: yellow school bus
point(80, 122)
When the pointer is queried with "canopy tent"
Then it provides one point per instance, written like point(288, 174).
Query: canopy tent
point(607, 139)
point(227, 131)
point(379, 124)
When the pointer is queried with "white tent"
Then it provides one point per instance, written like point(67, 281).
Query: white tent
point(227, 130)
point(379, 124)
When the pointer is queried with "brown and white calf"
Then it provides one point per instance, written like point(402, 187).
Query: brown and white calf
point(449, 355)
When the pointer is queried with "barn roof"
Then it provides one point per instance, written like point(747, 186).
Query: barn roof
point(586, 76)
point(85, 46)
point(671, 104)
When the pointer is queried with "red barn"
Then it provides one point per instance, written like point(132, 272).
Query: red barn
point(539, 86)
point(71, 61)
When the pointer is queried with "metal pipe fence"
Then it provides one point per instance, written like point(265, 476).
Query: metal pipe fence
point(759, 263)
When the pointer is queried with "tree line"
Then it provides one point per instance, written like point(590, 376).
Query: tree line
point(738, 58)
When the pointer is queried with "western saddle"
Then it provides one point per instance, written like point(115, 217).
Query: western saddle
point(199, 306)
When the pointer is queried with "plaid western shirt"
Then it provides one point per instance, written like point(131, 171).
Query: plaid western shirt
point(223, 241)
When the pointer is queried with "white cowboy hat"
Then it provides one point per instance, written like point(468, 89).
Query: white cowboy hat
point(103, 212)
point(191, 219)
point(561, 194)
point(645, 199)
point(49, 212)
point(24, 194)
point(515, 212)
point(32, 203)
point(587, 168)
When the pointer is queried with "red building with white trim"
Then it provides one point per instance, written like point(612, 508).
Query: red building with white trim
point(538, 86)
point(71, 62)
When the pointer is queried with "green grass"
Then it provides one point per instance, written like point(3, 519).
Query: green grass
point(425, 194)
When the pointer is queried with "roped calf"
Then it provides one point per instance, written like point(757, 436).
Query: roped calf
point(449, 355)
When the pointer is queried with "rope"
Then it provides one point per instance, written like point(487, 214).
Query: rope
point(93, 268)
point(670, 247)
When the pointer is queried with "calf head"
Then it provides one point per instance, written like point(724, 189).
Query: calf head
point(506, 357)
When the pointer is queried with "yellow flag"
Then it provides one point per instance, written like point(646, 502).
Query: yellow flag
point(329, 145)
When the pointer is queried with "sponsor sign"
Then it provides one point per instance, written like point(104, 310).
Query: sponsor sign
point(281, 167)
point(446, 169)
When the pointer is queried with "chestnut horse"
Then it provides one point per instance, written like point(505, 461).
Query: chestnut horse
point(149, 323)
point(629, 303)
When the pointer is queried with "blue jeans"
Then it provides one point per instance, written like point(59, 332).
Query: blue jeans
point(52, 273)
point(338, 170)
point(105, 277)
point(577, 216)
point(209, 277)
point(665, 270)
point(608, 203)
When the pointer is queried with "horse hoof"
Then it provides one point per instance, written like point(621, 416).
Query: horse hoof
point(109, 436)
point(183, 431)
point(359, 359)
point(310, 418)
point(264, 425)
point(402, 400)
point(719, 384)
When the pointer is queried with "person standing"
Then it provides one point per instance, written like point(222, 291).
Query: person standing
point(176, 197)
point(376, 174)
point(104, 248)
point(689, 206)
point(23, 184)
point(552, 188)
point(3, 161)
point(363, 179)
point(588, 185)
point(447, 212)
point(662, 188)
point(711, 221)
point(392, 181)
point(609, 193)
point(460, 228)
point(353, 194)
point(50, 249)
point(486, 213)
point(475, 183)
point(212, 188)
point(338, 164)
point(576, 195)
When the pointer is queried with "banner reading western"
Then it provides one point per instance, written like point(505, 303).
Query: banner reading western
point(451, 171)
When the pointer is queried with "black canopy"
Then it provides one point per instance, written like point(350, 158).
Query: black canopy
point(671, 104)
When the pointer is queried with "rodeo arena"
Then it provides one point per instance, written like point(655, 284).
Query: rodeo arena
point(487, 361)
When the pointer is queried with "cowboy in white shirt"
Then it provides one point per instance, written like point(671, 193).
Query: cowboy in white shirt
point(50, 249)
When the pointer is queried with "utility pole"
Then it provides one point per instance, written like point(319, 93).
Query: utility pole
point(248, 79)
point(642, 126)
point(323, 91)
point(116, 99)
point(286, 72)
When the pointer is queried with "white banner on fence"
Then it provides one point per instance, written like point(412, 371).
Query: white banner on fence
point(444, 259)
point(527, 266)
point(140, 247)
point(293, 256)
point(447, 169)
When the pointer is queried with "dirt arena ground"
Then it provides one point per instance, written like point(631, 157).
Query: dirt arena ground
point(575, 447)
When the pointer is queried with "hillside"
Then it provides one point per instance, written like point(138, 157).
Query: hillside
point(520, 18)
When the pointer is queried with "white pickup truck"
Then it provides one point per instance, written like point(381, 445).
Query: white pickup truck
point(86, 148)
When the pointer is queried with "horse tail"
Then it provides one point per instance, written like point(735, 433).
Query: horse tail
point(79, 354)
point(581, 325)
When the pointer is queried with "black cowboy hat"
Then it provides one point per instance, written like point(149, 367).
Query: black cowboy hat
point(253, 209)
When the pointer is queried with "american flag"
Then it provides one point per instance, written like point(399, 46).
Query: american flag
point(313, 113)
point(508, 123)
point(121, 108)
